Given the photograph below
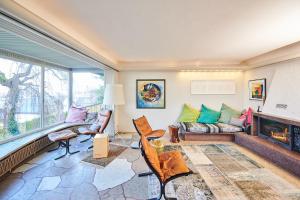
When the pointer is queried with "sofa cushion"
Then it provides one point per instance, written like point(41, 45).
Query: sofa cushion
point(208, 116)
point(227, 113)
point(188, 114)
point(228, 128)
point(209, 128)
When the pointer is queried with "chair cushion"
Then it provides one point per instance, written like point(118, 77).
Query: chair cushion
point(189, 114)
point(227, 113)
point(172, 163)
point(61, 135)
point(208, 116)
point(152, 157)
point(143, 126)
point(86, 131)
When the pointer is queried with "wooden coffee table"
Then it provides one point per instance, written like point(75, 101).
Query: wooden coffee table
point(173, 130)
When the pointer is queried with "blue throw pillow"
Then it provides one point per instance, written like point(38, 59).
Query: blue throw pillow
point(208, 116)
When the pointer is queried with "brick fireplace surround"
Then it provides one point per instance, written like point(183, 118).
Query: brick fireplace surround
point(284, 157)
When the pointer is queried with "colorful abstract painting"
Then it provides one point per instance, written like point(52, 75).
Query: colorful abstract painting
point(150, 93)
point(257, 89)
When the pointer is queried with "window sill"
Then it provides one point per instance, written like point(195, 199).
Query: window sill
point(14, 145)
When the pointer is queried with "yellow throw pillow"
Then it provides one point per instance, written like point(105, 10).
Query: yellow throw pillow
point(189, 114)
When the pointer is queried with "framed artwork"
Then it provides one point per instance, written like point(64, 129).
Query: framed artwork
point(150, 93)
point(257, 89)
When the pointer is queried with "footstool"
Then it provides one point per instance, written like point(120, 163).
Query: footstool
point(63, 138)
point(100, 145)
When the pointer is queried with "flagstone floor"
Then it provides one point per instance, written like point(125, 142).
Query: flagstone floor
point(230, 171)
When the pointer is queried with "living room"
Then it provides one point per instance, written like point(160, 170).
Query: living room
point(149, 99)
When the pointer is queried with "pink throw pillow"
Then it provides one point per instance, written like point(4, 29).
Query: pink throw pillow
point(76, 115)
point(247, 116)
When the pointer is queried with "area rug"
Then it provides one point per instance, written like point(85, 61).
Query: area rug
point(125, 139)
point(232, 175)
point(114, 152)
point(190, 187)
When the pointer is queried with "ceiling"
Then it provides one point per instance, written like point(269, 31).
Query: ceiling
point(142, 34)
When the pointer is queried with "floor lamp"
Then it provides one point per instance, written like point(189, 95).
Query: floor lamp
point(113, 96)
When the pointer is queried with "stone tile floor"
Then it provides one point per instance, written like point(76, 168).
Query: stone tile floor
point(68, 178)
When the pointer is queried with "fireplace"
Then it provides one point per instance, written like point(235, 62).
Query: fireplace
point(281, 131)
point(276, 132)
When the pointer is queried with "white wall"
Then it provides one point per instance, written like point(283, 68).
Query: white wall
point(177, 93)
point(257, 73)
point(283, 81)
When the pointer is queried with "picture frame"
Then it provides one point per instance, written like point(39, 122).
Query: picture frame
point(150, 93)
point(257, 89)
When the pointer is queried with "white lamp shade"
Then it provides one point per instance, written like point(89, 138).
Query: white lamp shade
point(113, 94)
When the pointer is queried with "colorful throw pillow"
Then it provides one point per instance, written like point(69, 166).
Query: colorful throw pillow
point(247, 116)
point(189, 114)
point(237, 122)
point(227, 113)
point(208, 116)
point(76, 115)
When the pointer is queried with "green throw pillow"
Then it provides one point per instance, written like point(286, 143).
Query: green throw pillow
point(189, 114)
point(208, 116)
point(227, 113)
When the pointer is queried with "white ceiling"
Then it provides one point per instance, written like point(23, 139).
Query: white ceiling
point(168, 33)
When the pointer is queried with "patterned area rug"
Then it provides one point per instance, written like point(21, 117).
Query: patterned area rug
point(191, 187)
point(232, 175)
point(114, 152)
point(125, 139)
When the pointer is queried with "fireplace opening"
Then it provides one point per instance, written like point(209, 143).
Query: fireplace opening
point(277, 131)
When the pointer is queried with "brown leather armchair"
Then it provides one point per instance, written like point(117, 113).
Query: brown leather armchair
point(144, 129)
point(166, 166)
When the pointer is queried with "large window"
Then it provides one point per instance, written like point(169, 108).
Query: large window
point(56, 96)
point(20, 97)
point(35, 97)
point(88, 88)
